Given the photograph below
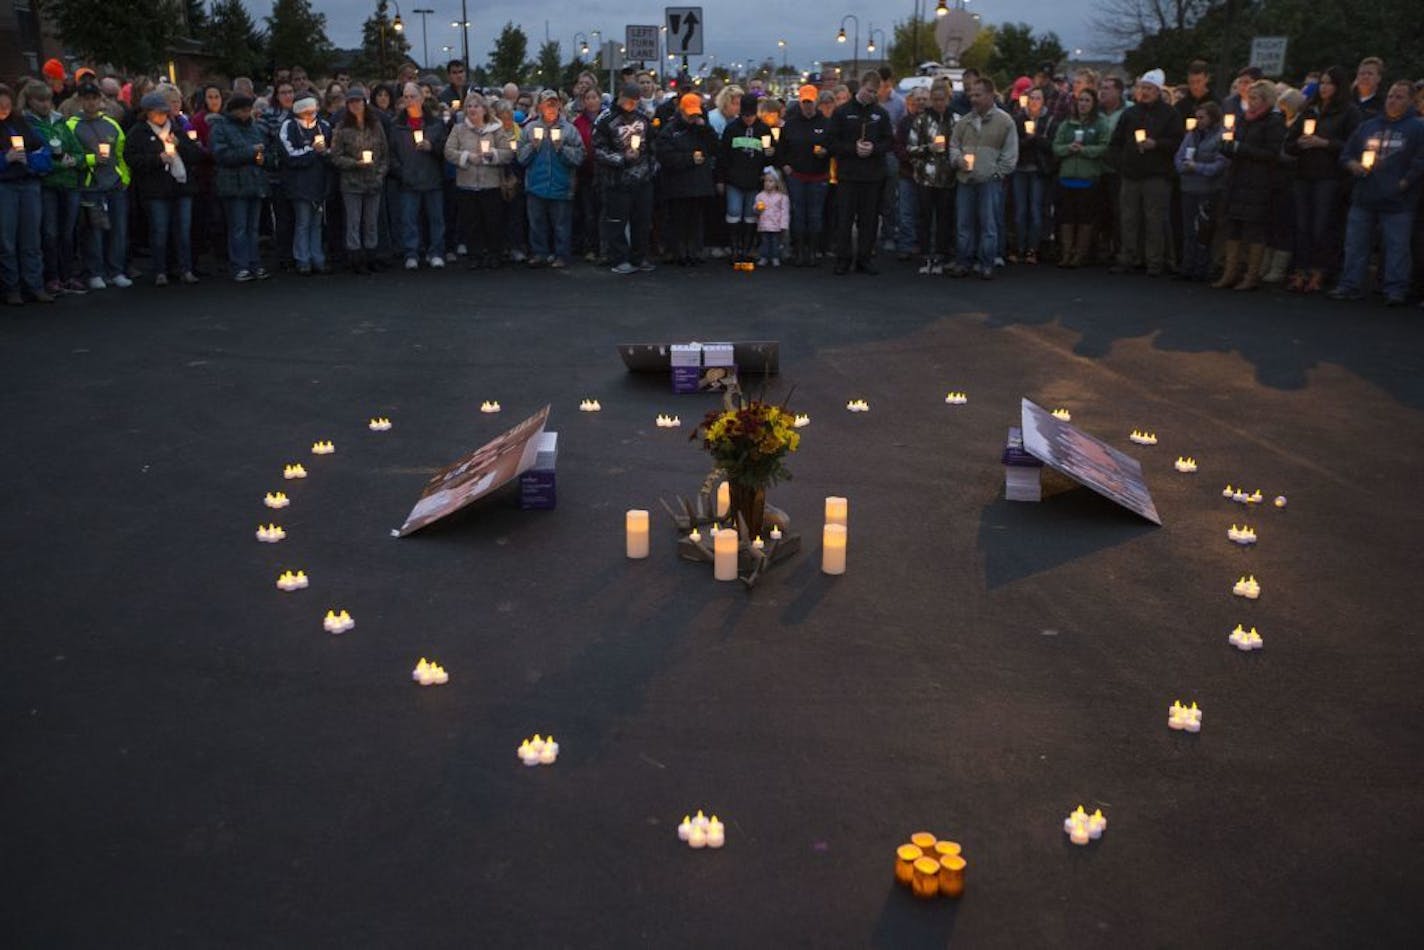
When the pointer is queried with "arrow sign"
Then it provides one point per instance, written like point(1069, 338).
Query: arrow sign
point(685, 28)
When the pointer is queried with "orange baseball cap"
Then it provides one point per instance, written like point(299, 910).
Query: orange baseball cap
point(808, 93)
point(690, 104)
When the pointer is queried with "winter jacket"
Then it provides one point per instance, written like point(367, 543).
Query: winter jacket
point(64, 148)
point(1207, 174)
point(306, 173)
point(1336, 124)
point(414, 168)
point(851, 123)
point(234, 144)
point(464, 150)
point(1163, 126)
point(742, 158)
point(993, 141)
point(550, 167)
point(1087, 164)
point(584, 123)
point(1036, 151)
point(38, 160)
point(1398, 145)
point(932, 167)
point(775, 214)
point(350, 144)
point(612, 141)
point(682, 177)
point(271, 122)
point(797, 148)
point(154, 179)
point(1255, 171)
point(112, 175)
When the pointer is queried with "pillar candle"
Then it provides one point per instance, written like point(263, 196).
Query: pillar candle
point(724, 499)
point(925, 883)
point(905, 857)
point(725, 555)
point(833, 549)
point(951, 875)
point(637, 525)
point(837, 510)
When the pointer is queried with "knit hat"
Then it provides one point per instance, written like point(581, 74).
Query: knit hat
point(357, 91)
point(690, 104)
point(1153, 77)
point(152, 102)
point(238, 101)
point(305, 104)
point(808, 93)
point(53, 69)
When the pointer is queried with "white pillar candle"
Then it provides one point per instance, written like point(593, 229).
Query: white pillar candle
point(419, 135)
point(725, 555)
point(367, 156)
point(837, 510)
point(833, 549)
point(637, 525)
point(1309, 128)
point(724, 499)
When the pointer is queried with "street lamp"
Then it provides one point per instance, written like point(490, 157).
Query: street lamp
point(424, 36)
point(841, 38)
point(870, 45)
point(399, 27)
point(581, 44)
point(463, 25)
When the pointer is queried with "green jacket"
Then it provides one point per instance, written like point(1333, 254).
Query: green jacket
point(55, 130)
point(1088, 163)
point(112, 174)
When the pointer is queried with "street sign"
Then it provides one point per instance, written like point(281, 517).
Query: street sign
point(642, 44)
point(684, 30)
point(1269, 53)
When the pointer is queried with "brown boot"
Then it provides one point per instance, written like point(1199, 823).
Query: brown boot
point(1255, 258)
point(1066, 234)
point(1316, 283)
point(1083, 246)
point(1297, 282)
point(1232, 273)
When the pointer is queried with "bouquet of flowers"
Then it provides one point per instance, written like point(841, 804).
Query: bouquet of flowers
point(750, 442)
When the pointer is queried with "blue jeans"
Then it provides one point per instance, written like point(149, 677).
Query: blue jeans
point(21, 210)
point(978, 206)
point(808, 205)
point(433, 202)
point(170, 216)
point(771, 245)
point(307, 234)
point(741, 206)
point(905, 214)
point(551, 217)
point(244, 217)
point(1029, 190)
point(61, 217)
point(1394, 229)
point(107, 250)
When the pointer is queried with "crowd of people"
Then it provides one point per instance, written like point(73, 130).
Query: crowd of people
point(1305, 186)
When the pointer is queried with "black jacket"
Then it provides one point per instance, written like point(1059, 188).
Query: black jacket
point(682, 177)
point(612, 139)
point(143, 150)
point(1255, 170)
point(1036, 151)
point(851, 123)
point(1336, 123)
point(740, 165)
point(414, 169)
point(306, 173)
point(799, 138)
point(1163, 125)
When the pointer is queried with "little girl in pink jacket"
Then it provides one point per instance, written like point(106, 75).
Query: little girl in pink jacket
point(773, 216)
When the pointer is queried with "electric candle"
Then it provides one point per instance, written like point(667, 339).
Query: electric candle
point(697, 837)
point(367, 156)
point(905, 857)
point(1029, 126)
point(555, 135)
point(1140, 136)
point(833, 549)
point(484, 147)
point(724, 499)
point(418, 135)
point(1368, 159)
point(1191, 123)
point(837, 510)
point(695, 537)
point(775, 533)
point(776, 133)
point(1309, 127)
point(193, 135)
point(766, 141)
point(923, 840)
point(454, 104)
point(634, 141)
point(951, 875)
point(1229, 120)
point(538, 133)
point(926, 880)
point(716, 833)
point(969, 161)
point(103, 149)
point(319, 140)
point(684, 830)
point(725, 555)
point(637, 526)
point(169, 148)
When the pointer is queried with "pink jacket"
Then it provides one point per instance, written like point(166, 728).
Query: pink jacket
point(777, 216)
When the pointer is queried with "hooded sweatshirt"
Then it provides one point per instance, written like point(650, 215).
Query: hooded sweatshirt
point(1393, 185)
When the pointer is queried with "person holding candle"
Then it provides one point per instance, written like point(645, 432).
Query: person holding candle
point(1201, 168)
point(362, 156)
point(927, 145)
point(806, 161)
point(1253, 179)
point(586, 195)
point(238, 146)
point(282, 219)
point(208, 230)
point(861, 134)
point(551, 153)
point(1035, 125)
point(27, 161)
point(746, 148)
point(773, 216)
point(478, 146)
point(687, 152)
point(1386, 196)
point(417, 148)
point(624, 153)
point(162, 160)
point(59, 190)
point(984, 146)
point(104, 190)
point(1079, 145)
point(306, 140)
point(1144, 163)
point(1315, 140)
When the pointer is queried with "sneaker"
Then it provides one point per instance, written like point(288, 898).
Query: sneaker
point(243, 276)
point(927, 267)
point(957, 270)
point(262, 273)
point(534, 263)
point(986, 273)
point(75, 286)
point(624, 269)
point(762, 262)
point(647, 267)
point(998, 262)
point(53, 287)
point(189, 277)
point(937, 269)
point(461, 250)
point(1341, 293)
point(776, 262)
point(412, 264)
point(121, 280)
point(517, 256)
point(449, 257)
point(1031, 257)
point(557, 264)
point(161, 280)
point(437, 262)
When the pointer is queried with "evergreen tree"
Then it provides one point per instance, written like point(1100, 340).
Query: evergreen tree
point(233, 40)
point(195, 16)
point(547, 69)
point(508, 60)
point(297, 34)
point(1018, 52)
point(133, 36)
point(396, 46)
point(912, 43)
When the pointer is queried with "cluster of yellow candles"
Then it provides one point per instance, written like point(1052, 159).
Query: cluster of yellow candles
point(930, 867)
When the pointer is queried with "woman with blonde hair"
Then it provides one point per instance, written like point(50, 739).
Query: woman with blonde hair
point(728, 107)
point(478, 146)
point(1252, 185)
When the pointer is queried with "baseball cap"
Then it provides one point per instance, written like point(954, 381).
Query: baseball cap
point(808, 93)
point(690, 104)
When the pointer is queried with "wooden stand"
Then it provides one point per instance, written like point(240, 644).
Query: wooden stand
point(750, 561)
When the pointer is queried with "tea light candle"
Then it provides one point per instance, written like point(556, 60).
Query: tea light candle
point(725, 555)
point(1029, 126)
point(367, 157)
point(695, 537)
point(905, 857)
point(837, 510)
point(1308, 127)
point(1367, 159)
point(776, 532)
point(418, 135)
point(926, 881)
point(1140, 135)
point(684, 830)
point(951, 875)
point(724, 499)
point(17, 142)
point(1229, 120)
point(969, 161)
point(716, 833)
point(833, 549)
point(103, 149)
point(637, 527)
point(1191, 123)
point(766, 141)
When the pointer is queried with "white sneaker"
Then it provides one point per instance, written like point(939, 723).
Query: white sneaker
point(937, 269)
point(999, 262)
point(461, 249)
point(762, 262)
point(776, 262)
point(97, 283)
point(412, 264)
point(449, 257)
point(161, 280)
point(121, 280)
point(437, 262)
point(517, 256)
point(927, 267)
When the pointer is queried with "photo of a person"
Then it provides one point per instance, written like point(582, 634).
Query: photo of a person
point(1086, 460)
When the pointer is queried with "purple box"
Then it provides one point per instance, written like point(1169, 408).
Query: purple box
point(686, 378)
point(538, 490)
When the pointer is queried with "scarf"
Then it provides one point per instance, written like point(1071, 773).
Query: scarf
point(177, 169)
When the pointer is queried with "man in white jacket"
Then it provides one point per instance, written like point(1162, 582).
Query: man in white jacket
point(984, 147)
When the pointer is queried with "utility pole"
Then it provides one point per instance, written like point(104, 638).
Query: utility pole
point(424, 37)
